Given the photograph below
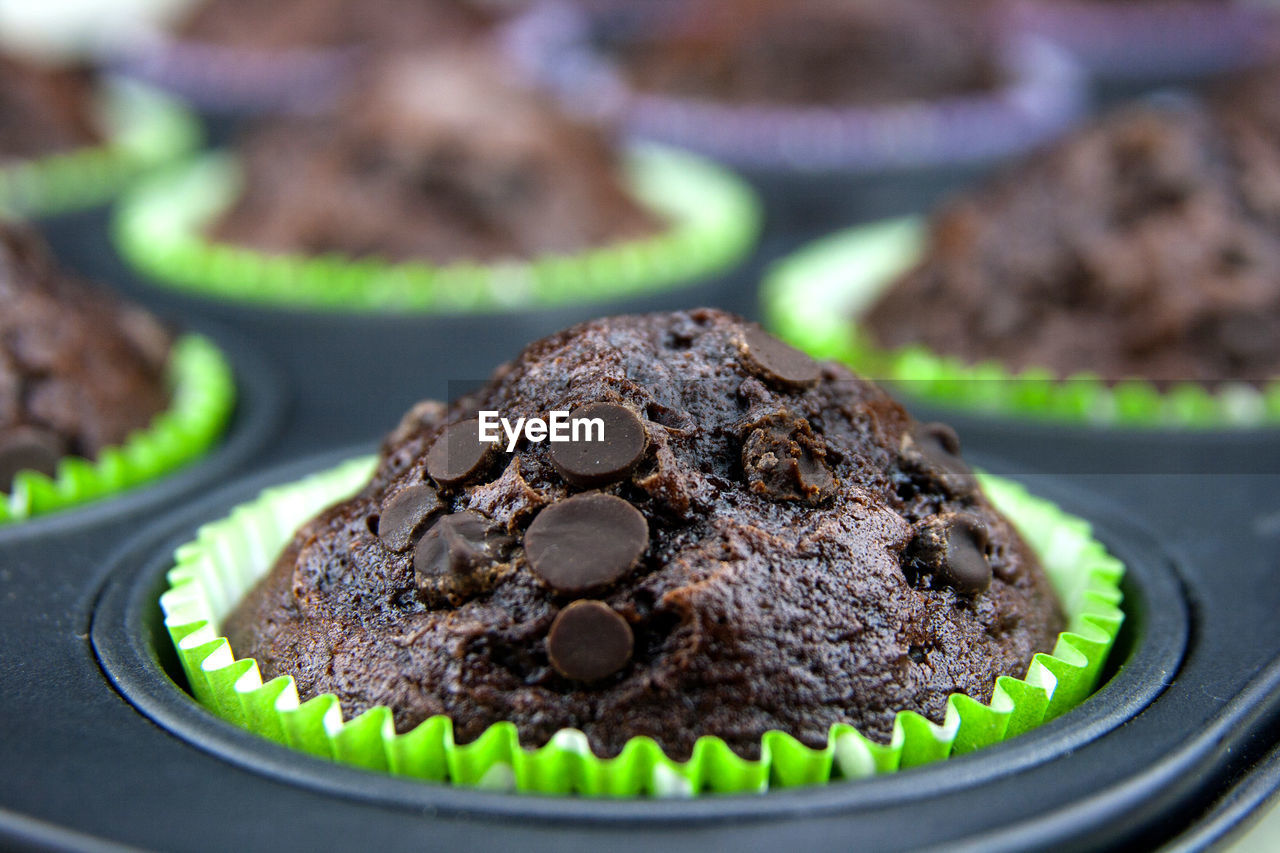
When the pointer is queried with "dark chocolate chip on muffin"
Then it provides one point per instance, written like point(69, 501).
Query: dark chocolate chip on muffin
point(785, 549)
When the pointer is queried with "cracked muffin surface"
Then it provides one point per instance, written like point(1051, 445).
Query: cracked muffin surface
point(760, 542)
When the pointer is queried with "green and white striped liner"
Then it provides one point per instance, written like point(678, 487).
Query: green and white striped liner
point(229, 555)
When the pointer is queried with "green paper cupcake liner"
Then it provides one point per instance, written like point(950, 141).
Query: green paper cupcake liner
point(144, 129)
point(230, 555)
point(814, 298)
point(203, 396)
point(714, 220)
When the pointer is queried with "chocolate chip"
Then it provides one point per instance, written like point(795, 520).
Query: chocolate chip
point(453, 548)
point(966, 568)
point(952, 548)
point(590, 464)
point(405, 513)
point(938, 438)
point(589, 641)
point(459, 455)
point(585, 542)
point(29, 449)
point(939, 449)
point(460, 556)
point(778, 361)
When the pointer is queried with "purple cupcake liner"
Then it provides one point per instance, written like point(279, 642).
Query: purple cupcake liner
point(1046, 93)
point(239, 80)
point(1173, 38)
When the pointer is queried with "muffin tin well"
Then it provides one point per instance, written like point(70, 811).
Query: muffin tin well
point(101, 744)
point(130, 643)
point(1187, 708)
point(102, 740)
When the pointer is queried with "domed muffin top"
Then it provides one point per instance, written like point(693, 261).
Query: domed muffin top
point(79, 370)
point(757, 542)
point(1146, 244)
point(438, 157)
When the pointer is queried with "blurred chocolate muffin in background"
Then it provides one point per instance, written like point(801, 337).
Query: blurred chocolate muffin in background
point(815, 51)
point(1250, 101)
point(1158, 2)
point(1129, 46)
point(838, 111)
point(283, 24)
point(45, 109)
point(1146, 244)
point(79, 370)
point(442, 157)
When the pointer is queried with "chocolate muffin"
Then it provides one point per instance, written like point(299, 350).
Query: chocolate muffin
point(284, 24)
point(44, 109)
point(1155, 2)
point(834, 52)
point(1144, 245)
point(79, 371)
point(439, 157)
point(759, 542)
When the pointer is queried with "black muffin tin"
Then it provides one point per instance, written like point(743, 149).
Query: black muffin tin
point(100, 745)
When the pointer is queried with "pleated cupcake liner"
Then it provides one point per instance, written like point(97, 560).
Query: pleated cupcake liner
point(144, 130)
point(814, 299)
point(203, 396)
point(228, 556)
point(1175, 38)
point(713, 220)
point(239, 80)
point(1045, 93)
